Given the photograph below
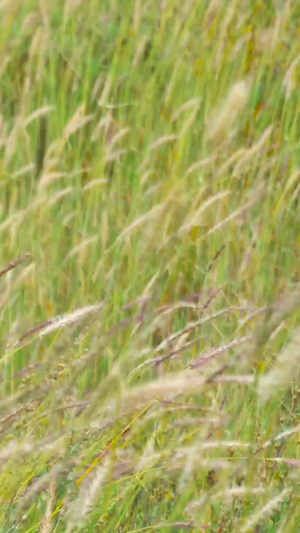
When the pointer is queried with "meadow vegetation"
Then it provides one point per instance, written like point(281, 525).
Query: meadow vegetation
point(149, 267)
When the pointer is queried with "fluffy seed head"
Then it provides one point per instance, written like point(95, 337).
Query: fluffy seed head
point(233, 105)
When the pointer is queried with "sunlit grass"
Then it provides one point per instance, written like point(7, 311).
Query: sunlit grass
point(149, 227)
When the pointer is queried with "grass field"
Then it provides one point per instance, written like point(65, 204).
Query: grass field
point(149, 284)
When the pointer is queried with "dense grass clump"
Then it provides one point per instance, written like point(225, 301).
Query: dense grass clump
point(149, 276)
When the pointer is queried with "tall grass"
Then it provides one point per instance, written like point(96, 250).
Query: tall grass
point(149, 226)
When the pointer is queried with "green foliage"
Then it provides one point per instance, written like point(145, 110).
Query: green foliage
point(149, 232)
